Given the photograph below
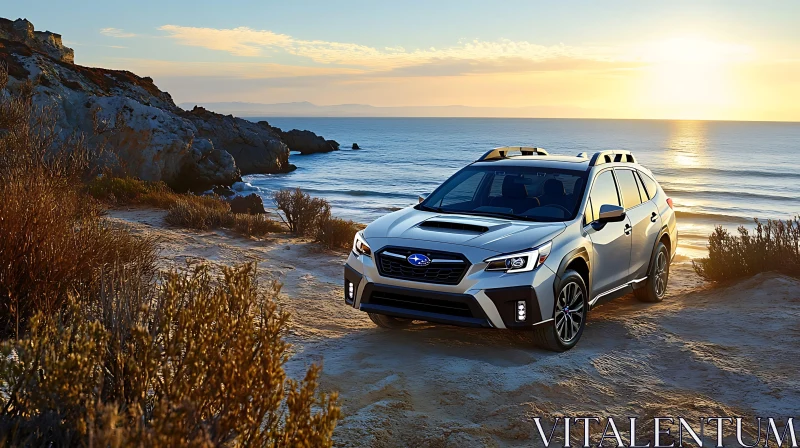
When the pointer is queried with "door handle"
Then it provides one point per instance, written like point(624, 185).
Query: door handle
point(628, 229)
point(654, 217)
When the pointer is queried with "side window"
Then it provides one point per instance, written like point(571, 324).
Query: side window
point(650, 185)
point(628, 188)
point(642, 191)
point(604, 191)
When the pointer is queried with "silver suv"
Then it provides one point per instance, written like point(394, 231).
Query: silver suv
point(519, 239)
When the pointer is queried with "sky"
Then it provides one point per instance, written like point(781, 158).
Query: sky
point(717, 60)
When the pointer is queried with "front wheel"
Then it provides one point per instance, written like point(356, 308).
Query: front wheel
point(569, 316)
point(389, 321)
point(656, 286)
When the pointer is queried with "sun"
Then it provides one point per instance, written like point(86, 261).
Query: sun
point(690, 77)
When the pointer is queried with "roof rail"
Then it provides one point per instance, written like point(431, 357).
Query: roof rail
point(616, 155)
point(502, 152)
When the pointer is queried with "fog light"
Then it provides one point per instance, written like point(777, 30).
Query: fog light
point(350, 291)
point(521, 312)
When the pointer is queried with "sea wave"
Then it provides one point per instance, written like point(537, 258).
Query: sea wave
point(725, 172)
point(358, 193)
point(672, 189)
point(721, 219)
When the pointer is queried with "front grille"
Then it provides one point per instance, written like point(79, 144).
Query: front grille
point(445, 269)
point(419, 304)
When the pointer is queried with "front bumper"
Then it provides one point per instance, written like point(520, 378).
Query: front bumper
point(481, 299)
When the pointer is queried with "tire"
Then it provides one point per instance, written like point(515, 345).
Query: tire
point(657, 278)
point(389, 321)
point(569, 315)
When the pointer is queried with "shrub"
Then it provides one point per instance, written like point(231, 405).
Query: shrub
point(775, 246)
point(337, 233)
point(198, 361)
point(54, 243)
point(301, 213)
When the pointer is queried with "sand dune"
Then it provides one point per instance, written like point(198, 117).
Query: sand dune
point(702, 352)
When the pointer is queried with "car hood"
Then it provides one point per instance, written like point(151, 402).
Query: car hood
point(494, 234)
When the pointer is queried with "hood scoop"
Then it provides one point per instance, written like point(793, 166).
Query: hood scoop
point(450, 225)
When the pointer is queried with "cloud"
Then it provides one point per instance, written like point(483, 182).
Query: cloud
point(233, 70)
point(247, 42)
point(116, 32)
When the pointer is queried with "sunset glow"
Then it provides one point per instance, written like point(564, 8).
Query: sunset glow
point(727, 61)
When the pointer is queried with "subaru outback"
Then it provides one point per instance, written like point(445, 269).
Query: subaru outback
point(519, 239)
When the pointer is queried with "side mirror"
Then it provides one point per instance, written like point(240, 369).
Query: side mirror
point(611, 213)
point(423, 196)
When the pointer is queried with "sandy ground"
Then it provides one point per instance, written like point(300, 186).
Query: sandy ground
point(730, 350)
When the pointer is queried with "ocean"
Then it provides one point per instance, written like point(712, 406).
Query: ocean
point(717, 173)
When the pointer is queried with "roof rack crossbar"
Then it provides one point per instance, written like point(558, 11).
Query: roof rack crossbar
point(617, 155)
point(503, 152)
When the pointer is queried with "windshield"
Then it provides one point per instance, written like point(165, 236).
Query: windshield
point(517, 192)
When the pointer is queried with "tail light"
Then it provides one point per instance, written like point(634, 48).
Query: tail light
point(669, 202)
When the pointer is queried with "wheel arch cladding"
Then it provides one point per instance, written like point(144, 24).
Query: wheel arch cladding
point(577, 260)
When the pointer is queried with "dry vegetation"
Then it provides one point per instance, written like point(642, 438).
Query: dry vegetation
point(773, 246)
point(97, 350)
point(307, 216)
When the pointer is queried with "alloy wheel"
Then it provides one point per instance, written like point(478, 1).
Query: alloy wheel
point(569, 312)
point(661, 273)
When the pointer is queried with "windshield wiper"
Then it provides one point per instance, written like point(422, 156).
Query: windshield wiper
point(499, 215)
point(431, 209)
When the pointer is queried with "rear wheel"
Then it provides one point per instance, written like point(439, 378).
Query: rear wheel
point(656, 286)
point(569, 316)
point(389, 321)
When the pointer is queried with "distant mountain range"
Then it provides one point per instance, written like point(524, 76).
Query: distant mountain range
point(306, 109)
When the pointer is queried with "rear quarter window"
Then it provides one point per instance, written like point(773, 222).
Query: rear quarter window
point(650, 185)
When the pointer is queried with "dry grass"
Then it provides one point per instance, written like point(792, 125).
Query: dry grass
point(202, 215)
point(53, 241)
point(197, 362)
point(184, 209)
point(337, 233)
point(129, 190)
point(774, 246)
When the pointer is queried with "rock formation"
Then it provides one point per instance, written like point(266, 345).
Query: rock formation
point(48, 43)
point(306, 142)
point(256, 147)
point(153, 139)
point(250, 204)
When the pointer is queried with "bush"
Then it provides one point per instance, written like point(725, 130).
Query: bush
point(337, 233)
point(775, 246)
point(198, 361)
point(301, 213)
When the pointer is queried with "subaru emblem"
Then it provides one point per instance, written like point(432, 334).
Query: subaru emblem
point(418, 260)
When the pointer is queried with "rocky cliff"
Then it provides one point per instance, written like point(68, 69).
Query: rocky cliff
point(154, 139)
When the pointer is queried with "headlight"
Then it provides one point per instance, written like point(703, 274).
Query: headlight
point(360, 247)
point(520, 261)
